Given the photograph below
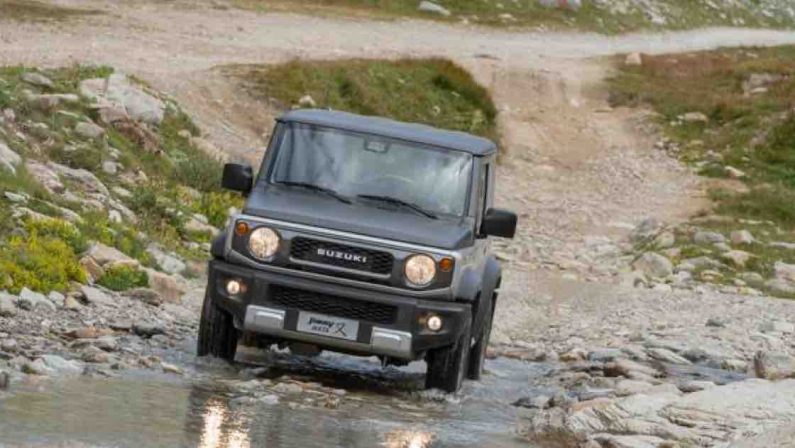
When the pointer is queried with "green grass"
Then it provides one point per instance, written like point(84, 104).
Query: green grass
point(752, 132)
point(123, 277)
point(431, 91)
point(679, 14)
point(34, 11)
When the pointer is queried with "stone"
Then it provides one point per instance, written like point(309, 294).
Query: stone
point(782, 245)
point(634, 59)
point(9, 159)
point(209, 148)
point(49, 102)
point(702, 263)
point(37, 79)
point(706, 237)
point(773, 366)
point(56, 298)
point(647, 229)
point(86, 180)
point(171, 368)
point(779, 287)
point(44, 175)
point(307, 101)
point(170, 288)
point(605, 354)
point(629, 369)
point(626, 388)
point(168, 262)
point(105, 255)
point(738, 258)
point(145, 295)
point(696, 386)
point(433, 8)
point(694, 117)
point(16, 198)
point(71, 303)
point(575, 354)
point(739, 237)
point(53, 365)
point(715, 322)
point(195, 225)
point(110, 167)
point(667, 356)
point(536, 402)
point(785, 271)
point(119, 92)
point(563, 4)
point(29, 300)
point(664, 240)
point(654, 265)
point(777, 326)
point(752, 278)
point(92, 268)
point(7, 305)
point(147, 328)
point(288, 388)
point(733, 172)
point(96, 296)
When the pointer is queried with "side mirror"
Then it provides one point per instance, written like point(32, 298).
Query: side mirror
point(499, 222)
point(238, 177)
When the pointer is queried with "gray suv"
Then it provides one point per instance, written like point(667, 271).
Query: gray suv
point(365, 236)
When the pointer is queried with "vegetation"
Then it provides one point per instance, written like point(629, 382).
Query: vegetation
point(165, 179)
point(431, 91)
point(609, 17)
point(747, 138)
point(124, 277)
point(35, 11)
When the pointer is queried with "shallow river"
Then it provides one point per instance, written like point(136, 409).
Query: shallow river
point(144, 409)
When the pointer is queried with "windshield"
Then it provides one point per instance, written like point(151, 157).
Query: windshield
point(352, 164)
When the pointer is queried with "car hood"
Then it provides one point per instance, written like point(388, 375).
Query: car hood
point(362, 217)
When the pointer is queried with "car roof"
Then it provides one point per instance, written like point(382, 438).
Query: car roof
point(414, 132)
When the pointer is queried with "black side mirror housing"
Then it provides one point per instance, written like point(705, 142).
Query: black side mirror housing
point(500, 223)
point(238, 177)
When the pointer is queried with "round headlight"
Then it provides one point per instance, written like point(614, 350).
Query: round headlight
point(263, 243)
point(420, 270)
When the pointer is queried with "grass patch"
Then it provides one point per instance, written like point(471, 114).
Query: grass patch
point(40, 263)
point(607, 18)
point(430, 91)
point(123, 277)
point(33, 11)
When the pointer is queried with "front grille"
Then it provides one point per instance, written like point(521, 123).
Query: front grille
point(340, 255)
point(333, 305)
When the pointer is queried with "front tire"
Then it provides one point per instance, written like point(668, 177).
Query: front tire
point(447, 366)
point(217, 333)
point(477, 356)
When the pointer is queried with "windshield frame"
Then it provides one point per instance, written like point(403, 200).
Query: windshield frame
point(272, 158)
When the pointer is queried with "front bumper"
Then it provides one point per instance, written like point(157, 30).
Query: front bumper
point(400, 336)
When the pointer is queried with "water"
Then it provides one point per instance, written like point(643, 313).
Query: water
point(145, 409)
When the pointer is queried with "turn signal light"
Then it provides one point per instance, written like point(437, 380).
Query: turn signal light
point(446, 264)
point(241, 228)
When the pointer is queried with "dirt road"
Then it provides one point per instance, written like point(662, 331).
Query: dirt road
point(580, 174)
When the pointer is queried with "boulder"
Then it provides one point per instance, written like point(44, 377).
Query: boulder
point(37, 79)
point(433, 8)
point(705, 237)
point(9, 159)
point(89, 130)
point(87, 181)
point(30, 300)
point(654, 265)
point(7, 306)
point(46, 176)
point(774, 366)
point(170, 288)
point(53, 365)
point(96, 296)
point(739, 237)
point(105, 255)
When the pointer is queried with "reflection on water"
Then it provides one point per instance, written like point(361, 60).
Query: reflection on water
point(138, 412)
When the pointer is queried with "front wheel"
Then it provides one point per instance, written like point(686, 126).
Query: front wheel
point(477, 356)
point(446, 366)
point(217, 333)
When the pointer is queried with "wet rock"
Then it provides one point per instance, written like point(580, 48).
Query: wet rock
point(171, 368)
point(96, 296)
point(537, 402)
point(653, 265)
point(29, 300)
point(433, 8)
point(774, 366)
point(145, 295)
point(705, 237)
point(8, 158)
point(147, 328)
point(7, 305)
point(37, 79)
point(53, 365)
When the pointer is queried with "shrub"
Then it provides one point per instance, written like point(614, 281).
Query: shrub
point(97, 227)
point(201, 173)
point(215, 206)
point(42, 264)
point(124, 277)
point(58, 229)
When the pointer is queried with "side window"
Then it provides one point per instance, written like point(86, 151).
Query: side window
point(483, 192)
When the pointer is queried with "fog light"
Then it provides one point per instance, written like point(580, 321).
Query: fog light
point(434, 323)
point(234, 287)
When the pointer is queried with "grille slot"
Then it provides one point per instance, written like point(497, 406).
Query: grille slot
point(355, 258)
point(333, 305)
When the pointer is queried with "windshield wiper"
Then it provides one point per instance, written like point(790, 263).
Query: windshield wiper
point(396, 201)
point(314, 187)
